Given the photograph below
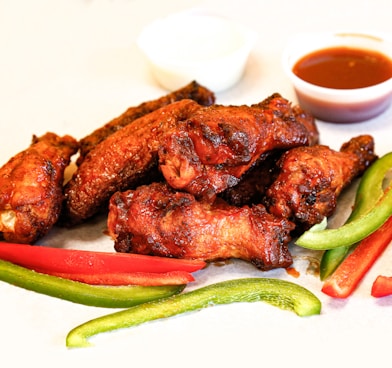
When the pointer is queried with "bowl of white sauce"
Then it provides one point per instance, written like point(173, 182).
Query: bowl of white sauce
point(196, 45)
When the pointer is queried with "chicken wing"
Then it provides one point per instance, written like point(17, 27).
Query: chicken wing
point(192, 91)
point(311, 179)
point(283, 109)
point(31, 188)
point(212, 149)
point(230, 141)
point(253, 184)
point(123, 160)
point(154, 219)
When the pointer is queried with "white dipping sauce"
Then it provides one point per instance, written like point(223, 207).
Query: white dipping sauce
point(196, 46)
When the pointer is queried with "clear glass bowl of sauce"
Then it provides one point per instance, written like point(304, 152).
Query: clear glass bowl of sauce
point(341, 77)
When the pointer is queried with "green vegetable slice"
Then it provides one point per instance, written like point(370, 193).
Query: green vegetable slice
point(279, 293)
point(370, 190)
point(77, 292)
point(351, 232)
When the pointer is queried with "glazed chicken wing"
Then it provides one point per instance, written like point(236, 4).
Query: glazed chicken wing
point(253, 184)
point(228, 141)
point(31, 188)
point(123, 160)
point(283, 109)
point(311, 179)
point(157, 220)
point(212, 149)
point(192, 91)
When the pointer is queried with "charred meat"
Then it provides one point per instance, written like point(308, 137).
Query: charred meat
point(283, 109)
point(192, 91)
point(123, 160)
point(254, 183)
point(157, 220)
point(31, 188)
point(311, 178)
point(211, 150)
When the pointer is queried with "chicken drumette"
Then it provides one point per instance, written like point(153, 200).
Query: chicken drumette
point(311, 178)
point(31, 188)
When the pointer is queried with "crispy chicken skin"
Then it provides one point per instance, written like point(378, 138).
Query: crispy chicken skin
point(212, 149)
point(192, 91)
point(283, 109)
point(253, 184)
point(157, 220)
point(123, 160)
point(31, 188)
point(229, 140)
point(311, 179)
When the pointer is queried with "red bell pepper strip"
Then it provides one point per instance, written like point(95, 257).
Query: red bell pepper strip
point(133, 278)
point(104, 296)
point(350, 272)
point(382, 286)
point(61, 260)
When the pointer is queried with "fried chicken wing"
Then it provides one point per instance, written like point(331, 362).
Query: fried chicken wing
point(123, 160)
point(31, 188)
point(212, 149)
point(311, 179)
point(155, 219)
point(192, 91)
point(254, 183)
point(283, 109)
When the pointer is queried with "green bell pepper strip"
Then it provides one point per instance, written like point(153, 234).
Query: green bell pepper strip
point(369, 191)
point(279, 293)
point(77, 292)
point(351, 232)
point(370, 188)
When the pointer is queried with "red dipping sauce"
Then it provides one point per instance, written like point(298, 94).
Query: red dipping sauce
point(344, 68)
point(342, 77)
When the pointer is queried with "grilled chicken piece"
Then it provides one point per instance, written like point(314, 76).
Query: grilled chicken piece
point(127, 157)
point(283, 109)
point(31, 188)
point(123, 160)
point(212, 149)
point(192, 91)
point(156, 220)
point(254, 183)
point(311, 179)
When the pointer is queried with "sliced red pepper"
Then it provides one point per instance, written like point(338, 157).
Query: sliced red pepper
point(104, 296)
point(132, 278)
point(350, 272)
point(382, 286)
point(62, 260)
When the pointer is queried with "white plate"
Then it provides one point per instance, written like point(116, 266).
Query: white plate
point(71, 66)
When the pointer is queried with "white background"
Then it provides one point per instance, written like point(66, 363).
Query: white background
point(71, 66)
